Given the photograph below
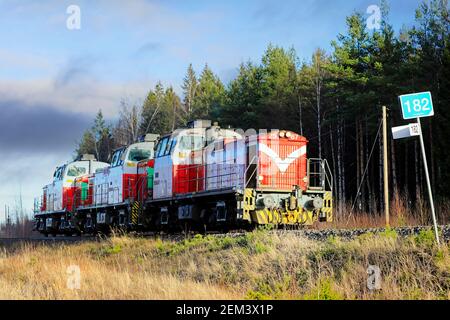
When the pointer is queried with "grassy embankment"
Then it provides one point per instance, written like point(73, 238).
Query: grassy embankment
point(259, 265)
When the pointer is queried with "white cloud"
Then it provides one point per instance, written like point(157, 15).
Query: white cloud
point(84, 96)
point(10, 59)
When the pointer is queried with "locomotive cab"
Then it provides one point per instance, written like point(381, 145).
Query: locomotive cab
point(178, 158)
point(118, 183)
point(59, 195)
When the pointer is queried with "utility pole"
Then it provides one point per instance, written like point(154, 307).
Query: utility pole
point(385, 167)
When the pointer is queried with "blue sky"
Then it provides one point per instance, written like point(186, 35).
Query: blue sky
point(52, 80)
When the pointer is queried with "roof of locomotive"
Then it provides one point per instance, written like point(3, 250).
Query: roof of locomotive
point(283, 134)
point(62, 170)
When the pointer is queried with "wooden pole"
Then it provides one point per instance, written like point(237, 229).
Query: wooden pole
point(385, 167)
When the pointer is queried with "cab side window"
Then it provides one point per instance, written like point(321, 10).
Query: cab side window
point(162, 147)
point(172, 145)
point(116, 160)
point(169, 147)
point(59, 173)
point(158, 149)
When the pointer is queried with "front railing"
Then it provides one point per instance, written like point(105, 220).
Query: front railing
point(319, 175)
point(202, 177)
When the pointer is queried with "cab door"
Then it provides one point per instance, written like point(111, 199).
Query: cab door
point(163, 169)
point(57, 192)
point(114, 179)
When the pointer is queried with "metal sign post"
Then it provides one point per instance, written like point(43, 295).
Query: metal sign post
point(430, 193)
point(416, 106)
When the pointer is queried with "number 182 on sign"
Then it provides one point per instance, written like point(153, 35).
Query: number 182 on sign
point(417, 105)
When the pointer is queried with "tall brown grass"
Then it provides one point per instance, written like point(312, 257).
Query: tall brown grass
point(403, 212)
point(259, 265)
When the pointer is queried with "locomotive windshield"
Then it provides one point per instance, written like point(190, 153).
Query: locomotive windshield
point(139, 154)
point(140, 151)
point(191, 143)
point(75, 171)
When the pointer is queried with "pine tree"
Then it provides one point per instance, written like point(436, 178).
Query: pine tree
point(97, 140)
point(86, 145)
point(209, 97)
point(279, 83)
point(244, 96)
point(155, 115)
point(189, 87)
point(174, 108)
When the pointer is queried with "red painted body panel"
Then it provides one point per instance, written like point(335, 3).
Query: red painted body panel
point(282, 162)
point(129, 182)
point(189, 178)
point(68, 198)
point(44, 201)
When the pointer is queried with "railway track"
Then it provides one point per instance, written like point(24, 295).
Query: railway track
point(10, 241)
point(345, 234)
point(317, 235)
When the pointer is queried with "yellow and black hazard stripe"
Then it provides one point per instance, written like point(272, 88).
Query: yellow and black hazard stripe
point(300, 216)
point(328, 205)
point(135, 212)
point(279, 217)
point(249, 204)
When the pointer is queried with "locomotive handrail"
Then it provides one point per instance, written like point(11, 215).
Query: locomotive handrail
point(206, 179)
point(330, 177)
point(254, 171)
point(324, 174)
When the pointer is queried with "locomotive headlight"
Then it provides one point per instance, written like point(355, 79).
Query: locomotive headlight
point(288, 134)
point(131, 164)
point(282, 134)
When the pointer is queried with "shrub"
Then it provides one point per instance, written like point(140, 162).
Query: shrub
point(389, 233)
point(270, 290)
point(323, 291)
point(425, 238)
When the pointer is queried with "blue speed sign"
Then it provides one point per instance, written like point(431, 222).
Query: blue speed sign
point(417, 105)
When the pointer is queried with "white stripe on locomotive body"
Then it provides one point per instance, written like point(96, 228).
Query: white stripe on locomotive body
point(282, 164)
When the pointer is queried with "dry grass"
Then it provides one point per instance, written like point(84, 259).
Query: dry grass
point(260, 265)
point(402, 213)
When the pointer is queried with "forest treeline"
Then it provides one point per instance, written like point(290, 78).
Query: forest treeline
point(334, 99)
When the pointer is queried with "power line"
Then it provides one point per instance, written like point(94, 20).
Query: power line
point(367, 167)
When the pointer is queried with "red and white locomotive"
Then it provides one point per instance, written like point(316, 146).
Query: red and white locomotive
point(202, 176)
